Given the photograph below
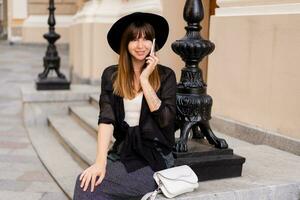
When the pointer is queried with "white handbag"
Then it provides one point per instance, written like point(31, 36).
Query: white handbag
point(173, 182)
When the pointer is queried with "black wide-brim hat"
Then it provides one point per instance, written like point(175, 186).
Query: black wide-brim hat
point(159, 23)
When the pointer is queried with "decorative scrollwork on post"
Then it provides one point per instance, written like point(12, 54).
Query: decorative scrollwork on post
point(193, 104)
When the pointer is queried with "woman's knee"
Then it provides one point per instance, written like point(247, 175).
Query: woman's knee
point(78, 182)
point(79, 194)
point(78, 191)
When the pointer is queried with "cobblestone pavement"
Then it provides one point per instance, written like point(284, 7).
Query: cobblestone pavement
point(22, 176)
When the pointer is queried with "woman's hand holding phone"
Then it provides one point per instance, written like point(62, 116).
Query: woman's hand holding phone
point(152, 61)
point(152, 47)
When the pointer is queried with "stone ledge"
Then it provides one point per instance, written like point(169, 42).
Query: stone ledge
point(239, 3)
point(255, 135)
point(273, 192)
point(76, 93)
point(264, 9)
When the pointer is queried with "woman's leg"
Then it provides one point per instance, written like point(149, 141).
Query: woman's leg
point(79, 194)
point(118, 184)
point(136, 183)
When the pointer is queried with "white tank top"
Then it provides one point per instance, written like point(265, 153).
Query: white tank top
point(132, 109)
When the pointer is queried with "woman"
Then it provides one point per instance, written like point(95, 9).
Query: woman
point(137, 107)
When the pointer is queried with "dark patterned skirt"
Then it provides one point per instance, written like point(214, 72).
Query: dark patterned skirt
point(118, 184)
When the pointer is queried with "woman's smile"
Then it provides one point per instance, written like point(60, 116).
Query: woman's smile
point(140, 53)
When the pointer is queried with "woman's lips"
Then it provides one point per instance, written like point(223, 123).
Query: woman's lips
point(140, 53)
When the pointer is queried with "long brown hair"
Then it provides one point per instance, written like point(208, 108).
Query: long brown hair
point(124, 79)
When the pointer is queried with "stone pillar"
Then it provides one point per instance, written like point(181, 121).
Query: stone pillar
point(9, 18)
point(2, 19)
point(19, 14)
point(254, 73)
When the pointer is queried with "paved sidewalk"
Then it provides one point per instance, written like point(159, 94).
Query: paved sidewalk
point(22, 176)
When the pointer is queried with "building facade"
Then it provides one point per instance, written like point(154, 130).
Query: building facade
point(253, 75)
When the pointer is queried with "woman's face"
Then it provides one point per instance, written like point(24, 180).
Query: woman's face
point(139, 48)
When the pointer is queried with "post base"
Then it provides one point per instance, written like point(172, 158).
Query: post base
point(210, 163)
point(52, 83)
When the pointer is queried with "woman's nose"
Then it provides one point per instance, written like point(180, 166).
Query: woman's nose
point(140, 43)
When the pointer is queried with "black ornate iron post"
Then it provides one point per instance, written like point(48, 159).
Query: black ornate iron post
point(194, 106)
point(52, 59)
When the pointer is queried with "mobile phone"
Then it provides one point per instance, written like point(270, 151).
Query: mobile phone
point(153, 46)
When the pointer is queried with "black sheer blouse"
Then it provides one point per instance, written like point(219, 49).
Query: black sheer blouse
point(151, 142)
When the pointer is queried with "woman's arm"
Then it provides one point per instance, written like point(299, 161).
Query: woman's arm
point(98, 169)
point(163, 109)
point(150, 95)
point(165, 114)
point(105, 132)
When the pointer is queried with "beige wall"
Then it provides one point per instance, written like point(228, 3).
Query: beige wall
point(174, 15)
point(29, 20)
point(173, 12)
point(254, 74)
point(63, 7)
point(35, 34)
point(89, 52)
point(35, 26)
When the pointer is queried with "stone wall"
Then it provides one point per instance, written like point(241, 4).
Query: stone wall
point(35, 25)
point(63, 7)
point(254, 74)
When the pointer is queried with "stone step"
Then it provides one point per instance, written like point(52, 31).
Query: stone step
point(87, 117)
point(262, 175)
point(74, 138)
point(58, 162)
point(262, 178)
point(94, 100)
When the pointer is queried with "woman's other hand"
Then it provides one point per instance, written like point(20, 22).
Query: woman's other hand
point(152, 61)
point(91, 174)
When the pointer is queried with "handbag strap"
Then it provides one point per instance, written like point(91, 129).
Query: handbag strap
point(152, 195)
